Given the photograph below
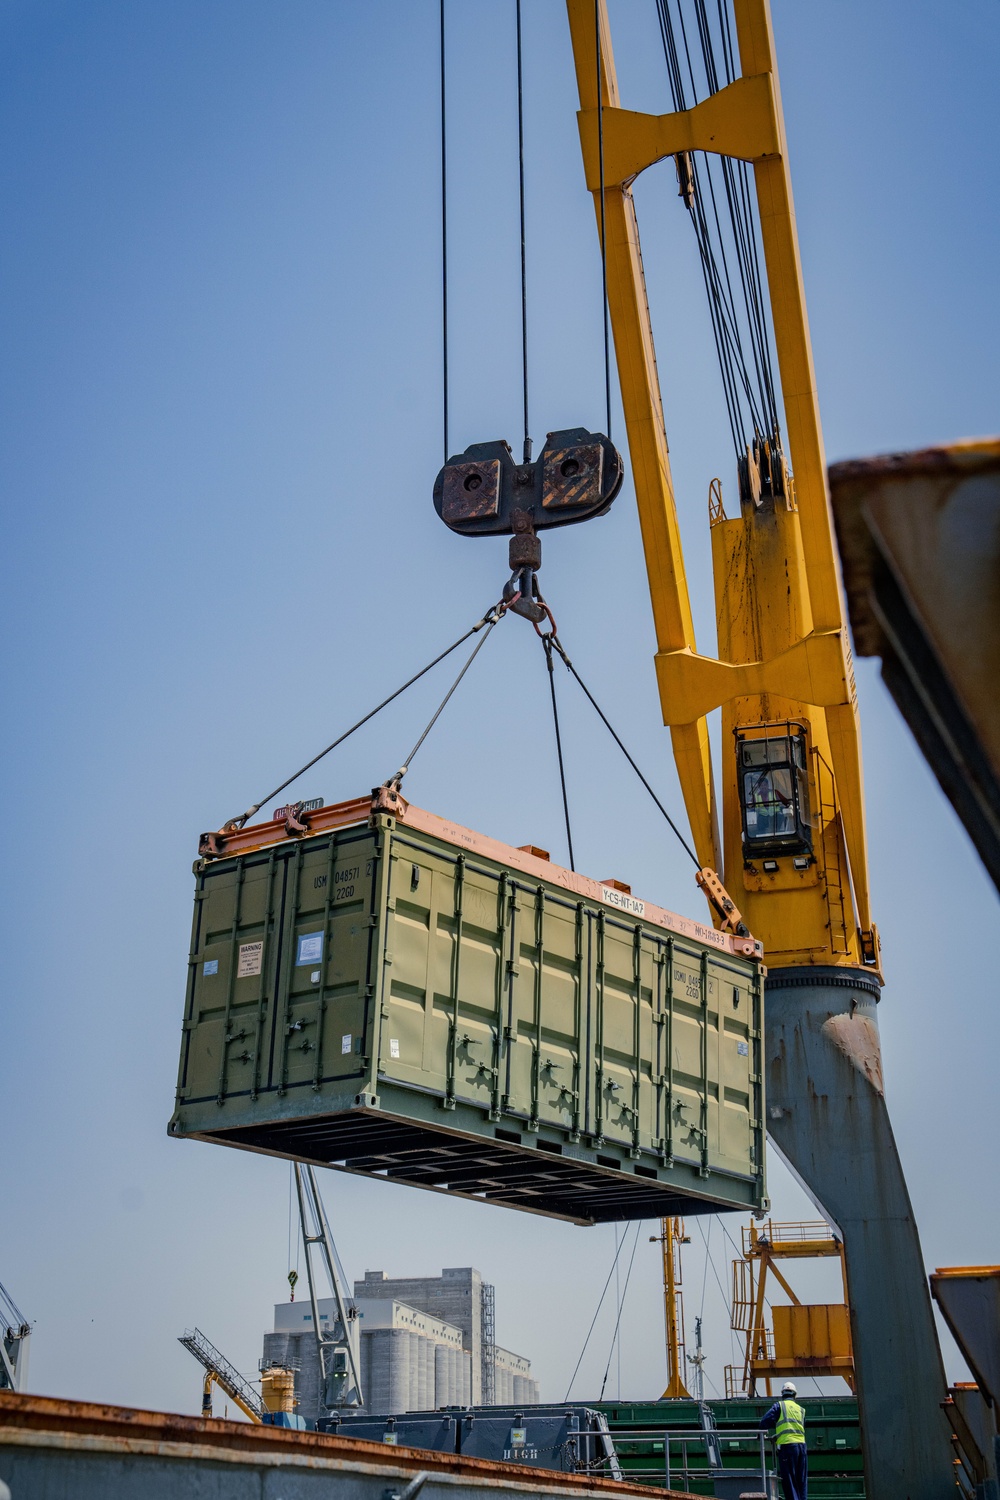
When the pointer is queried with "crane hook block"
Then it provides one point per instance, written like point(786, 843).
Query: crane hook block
point(576, 476)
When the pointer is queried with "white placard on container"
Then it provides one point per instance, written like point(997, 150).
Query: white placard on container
point(250, 961)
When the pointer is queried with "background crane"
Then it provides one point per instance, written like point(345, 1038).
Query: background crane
point(15, 1336)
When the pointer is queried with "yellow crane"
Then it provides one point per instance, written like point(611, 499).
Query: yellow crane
point(791, 850)
point(670, 1239)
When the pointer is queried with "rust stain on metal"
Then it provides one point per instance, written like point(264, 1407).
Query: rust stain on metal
point(471, 491)
point(858, 1039)
point(64, 1422)
point(572, 476)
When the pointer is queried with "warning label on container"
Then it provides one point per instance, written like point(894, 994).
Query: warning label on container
point(394, 1046)
point(345, 1043)
point(630, 904)
point(211, 966)
point(250, 960)
point(310, 949)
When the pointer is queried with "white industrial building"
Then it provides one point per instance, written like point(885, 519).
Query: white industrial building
point(426, 1342)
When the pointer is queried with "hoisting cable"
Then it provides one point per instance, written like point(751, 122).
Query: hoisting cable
point(604, 237)
point(524, 262)
point(621, 1305)
point(394, 781)
point(600, 1304)
point(488, 620)
point(444, 244)
point(547, 643)
point(706, 878)
point(748, 383)
point(557, 645)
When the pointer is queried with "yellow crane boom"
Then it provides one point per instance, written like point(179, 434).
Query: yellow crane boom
point(789, 658)
point(792, 851)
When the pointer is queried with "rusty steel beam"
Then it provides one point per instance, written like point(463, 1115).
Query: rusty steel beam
point(53, 1447)
point(919, 537)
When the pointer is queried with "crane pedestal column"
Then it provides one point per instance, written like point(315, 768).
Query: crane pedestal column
point(827, 1117)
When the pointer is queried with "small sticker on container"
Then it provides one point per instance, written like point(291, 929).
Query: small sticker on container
point(314, 977)
point(518, 1437)
point(210, 966)
point(391, 1438)
point(345, 1044)
point(310, 949)
point(250, 961)
point(743, 1049)
point(394, 1046)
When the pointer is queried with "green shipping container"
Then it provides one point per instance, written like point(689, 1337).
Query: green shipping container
point(391, 994)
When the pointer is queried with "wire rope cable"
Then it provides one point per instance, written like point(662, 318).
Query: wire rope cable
point(558, 646)
point(600, 1304)
point(488, 620)
point(604, 228)
point(547, 643)
point(446, 699)
point(524, 256)
point(444, 238)
point(621, 1305)
point(700, 59)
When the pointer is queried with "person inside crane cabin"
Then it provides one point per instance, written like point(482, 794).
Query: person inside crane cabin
point(787, 1419)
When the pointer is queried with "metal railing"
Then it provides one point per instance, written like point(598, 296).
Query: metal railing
point(753, 1445)
point(785, 1233)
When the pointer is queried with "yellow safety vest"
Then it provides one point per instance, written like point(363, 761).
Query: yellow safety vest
point(791, 1424)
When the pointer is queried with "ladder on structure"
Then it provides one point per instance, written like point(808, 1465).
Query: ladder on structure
point(219, 1370)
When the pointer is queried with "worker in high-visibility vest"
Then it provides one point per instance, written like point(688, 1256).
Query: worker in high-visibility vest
point(788, 1420)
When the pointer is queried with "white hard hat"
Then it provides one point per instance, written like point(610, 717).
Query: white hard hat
point(789, 1389)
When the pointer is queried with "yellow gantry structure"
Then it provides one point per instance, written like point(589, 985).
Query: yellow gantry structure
point(806, 1338)
point(784, 663)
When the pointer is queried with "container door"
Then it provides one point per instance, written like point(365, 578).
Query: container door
point(321, 1032)
point(233, 962)
point(471, 998)
point(541, 1061)
point(694, 1007)
point(445, 965)
point(557, 1039)
point(730, 1147)
point(418, 881)
point(624, 987)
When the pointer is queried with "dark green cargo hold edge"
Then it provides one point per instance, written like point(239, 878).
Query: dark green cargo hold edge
point(400, 997)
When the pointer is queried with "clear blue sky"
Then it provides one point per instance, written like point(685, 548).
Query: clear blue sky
point(220, 428)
